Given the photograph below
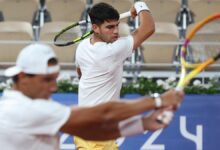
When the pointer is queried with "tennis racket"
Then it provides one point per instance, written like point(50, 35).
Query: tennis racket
point(70, 34)
point(196, 58)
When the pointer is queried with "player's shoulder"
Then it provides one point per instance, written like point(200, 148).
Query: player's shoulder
point(123, 41)
point(84, 42)
point(129, 37)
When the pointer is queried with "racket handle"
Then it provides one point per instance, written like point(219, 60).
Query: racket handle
point(125, 15)
point(166, 117)
point(179, 88)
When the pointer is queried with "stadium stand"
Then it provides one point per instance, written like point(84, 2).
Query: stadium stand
point(49, 30)
point(65, 10)
point(203, 8)
point(41, 15)
point(1, 16)
point(18, 10)
point(161, 52)
point(164, 10)
point(16, 35)
point(61, 13)
point(121, 5)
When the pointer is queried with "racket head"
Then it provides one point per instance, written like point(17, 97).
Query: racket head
point(206, 52)
point(71, 34)
point(204, 44)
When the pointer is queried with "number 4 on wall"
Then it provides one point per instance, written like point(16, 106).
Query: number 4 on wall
point(197, 138)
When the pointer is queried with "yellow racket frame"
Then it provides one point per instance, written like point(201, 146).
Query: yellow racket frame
point(184, 79)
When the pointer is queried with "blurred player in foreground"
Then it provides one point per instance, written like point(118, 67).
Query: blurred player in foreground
point(30, 120)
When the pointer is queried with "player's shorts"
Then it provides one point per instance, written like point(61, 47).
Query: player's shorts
point(94, 145)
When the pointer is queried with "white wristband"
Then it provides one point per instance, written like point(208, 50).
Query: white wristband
point(157, 99)
point(140, 6)
point(131, 126)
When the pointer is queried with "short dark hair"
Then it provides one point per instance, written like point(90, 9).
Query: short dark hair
point(102, 12)
point(53, 61)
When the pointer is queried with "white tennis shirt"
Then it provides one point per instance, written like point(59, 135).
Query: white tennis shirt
point(101, 65)
point(27, 124)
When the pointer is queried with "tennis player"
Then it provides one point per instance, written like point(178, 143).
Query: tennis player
point(30, 120)
point(99, 59)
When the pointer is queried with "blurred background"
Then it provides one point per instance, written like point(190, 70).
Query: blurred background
point(26, 21)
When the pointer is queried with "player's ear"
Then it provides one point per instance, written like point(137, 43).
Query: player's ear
point(25, 78)
point(22, 78)
point(95, 28)
point(21, 75)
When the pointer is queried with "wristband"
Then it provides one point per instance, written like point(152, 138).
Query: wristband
point(131, 126)
point(157, 100)
point(140, 6)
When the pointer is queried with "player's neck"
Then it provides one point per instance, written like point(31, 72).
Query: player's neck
point(94, 39)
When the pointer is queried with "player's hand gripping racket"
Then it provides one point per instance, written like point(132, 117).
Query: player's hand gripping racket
point(198, 57)
point(68, 35)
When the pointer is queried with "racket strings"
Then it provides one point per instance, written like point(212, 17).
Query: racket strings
point(201, 52)
point(69, 35)
point(205, 44)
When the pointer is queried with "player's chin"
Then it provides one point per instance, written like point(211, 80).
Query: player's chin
point(114, 39)
point(46, 96)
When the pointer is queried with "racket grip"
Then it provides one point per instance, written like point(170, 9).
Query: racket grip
point(125, 15)
point(179, 88)
point(165, 118)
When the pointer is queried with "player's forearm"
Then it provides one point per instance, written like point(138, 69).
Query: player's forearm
point(146, 28)
point(116, 111)
point(90, 123)
point(113, 111)
point(79, 73)
point(102, 121)
point(105, 117)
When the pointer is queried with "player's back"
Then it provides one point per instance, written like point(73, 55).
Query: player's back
point(101, 73)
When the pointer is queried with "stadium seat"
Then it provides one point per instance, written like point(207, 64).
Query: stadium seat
point(65, 54)
point(66, 10)
point(1, 16)
point(124, 29)
point(18, 10)
point(164, 10)
point(203, 8)
point(162, 51)
point(121, 5)
point(16, 36)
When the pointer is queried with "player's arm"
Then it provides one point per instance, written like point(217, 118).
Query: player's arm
point(146, 27)
point(79, 73)
point(104, 121)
